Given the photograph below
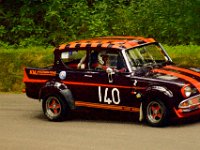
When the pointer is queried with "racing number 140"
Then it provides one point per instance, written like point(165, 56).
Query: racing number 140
point(114, 93)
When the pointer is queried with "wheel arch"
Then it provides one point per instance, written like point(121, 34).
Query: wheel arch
point(161, 93)
point(59, 89)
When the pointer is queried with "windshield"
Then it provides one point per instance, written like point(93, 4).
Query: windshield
point(146, 55)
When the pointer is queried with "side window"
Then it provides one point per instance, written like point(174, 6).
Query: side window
point(74, 59)
point(102, 60)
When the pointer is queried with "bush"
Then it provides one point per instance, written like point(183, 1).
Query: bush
point(42, 22)
point(14, 60)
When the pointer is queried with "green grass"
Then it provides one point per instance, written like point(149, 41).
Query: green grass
point(12, 62)
point(188, 56)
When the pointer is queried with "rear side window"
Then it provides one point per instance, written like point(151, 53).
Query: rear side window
point(72, 59)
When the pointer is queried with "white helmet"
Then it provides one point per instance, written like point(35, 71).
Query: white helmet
point(100, 57)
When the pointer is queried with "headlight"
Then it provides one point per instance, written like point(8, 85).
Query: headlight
point(186, 91)
point(190, 104)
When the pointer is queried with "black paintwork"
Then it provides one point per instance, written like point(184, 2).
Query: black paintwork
point(83, 85)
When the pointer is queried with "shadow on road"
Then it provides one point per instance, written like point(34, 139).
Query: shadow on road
point(118, 118)
point(185, 122)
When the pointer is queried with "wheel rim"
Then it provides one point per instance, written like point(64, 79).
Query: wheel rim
point(155, 112)
point(53, 107)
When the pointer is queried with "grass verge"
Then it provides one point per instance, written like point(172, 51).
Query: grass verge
point(12, 62)
point(187, 56)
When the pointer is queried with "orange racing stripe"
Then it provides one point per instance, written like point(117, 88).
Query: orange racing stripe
point(62, 46)
point(183, 70)
point(189, 79)
point(26, 79)
point(72, 45)
point(102, 85)
point(105, 106)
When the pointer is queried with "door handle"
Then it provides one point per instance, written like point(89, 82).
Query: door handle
point(88, 76)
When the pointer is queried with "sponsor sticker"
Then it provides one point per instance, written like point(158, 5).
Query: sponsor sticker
point(62, 75)
point(42, 72)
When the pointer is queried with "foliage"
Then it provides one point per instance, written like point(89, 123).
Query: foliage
point(187, 56)
point(14, 60)
point(51, 22)
point(29, 23)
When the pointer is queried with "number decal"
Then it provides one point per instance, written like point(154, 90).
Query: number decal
point(99, 92)
point(135, 82)
point(114, 93)
point(106, 98)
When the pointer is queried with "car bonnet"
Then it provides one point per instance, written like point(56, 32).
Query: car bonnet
point(178, 74)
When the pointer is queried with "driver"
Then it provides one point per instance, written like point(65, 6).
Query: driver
point(103, 61)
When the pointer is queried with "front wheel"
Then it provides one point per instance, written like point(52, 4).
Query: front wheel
point(54, 108)
point(156, 113)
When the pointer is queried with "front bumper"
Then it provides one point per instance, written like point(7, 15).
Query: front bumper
point(188, 107)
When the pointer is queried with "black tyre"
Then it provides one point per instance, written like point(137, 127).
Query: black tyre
point(156, 113)
point(55, 109)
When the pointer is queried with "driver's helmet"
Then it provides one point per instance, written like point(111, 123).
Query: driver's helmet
point(103, 58)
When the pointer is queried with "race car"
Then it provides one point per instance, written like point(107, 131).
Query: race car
point(118, 73)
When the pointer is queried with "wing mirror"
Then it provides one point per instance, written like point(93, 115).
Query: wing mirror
point(110, 73)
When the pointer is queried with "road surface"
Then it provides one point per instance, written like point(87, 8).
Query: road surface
point(23, 127)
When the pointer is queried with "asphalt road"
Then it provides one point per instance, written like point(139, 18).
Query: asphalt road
point(23, 127)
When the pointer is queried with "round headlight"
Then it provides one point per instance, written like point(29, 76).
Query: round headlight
point(186, 91)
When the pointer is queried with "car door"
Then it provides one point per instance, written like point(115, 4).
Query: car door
point(108, 89)
point(73, 72)
point(118, 91)
point(94, 86)
point(82, 80)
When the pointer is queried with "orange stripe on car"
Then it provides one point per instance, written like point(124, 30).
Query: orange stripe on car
point(183, 70)
point(34, 81)
point(94, 44)
point(116, 46)
point(102, 85)
point(128, 45)
point(149, 40)
point(83, 45)
point(105, 45)
point(105, 106)
point(72, 45)
point(62, 46)
point(189, 79)
point(132, 43)
point(26, 79)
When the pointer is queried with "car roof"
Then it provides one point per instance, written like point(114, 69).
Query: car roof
point(111, 42)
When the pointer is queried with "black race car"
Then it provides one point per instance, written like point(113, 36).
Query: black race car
point(121, 73)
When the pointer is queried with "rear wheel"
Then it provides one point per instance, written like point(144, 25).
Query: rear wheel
point(156, 113)
point(54, 108)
